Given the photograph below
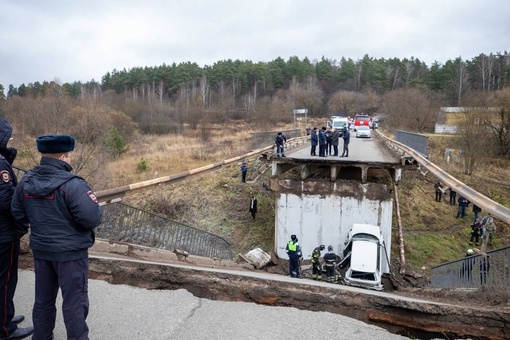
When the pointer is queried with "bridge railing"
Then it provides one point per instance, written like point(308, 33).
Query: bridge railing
point(495, 209)
point(122, 223)
point(472, 271)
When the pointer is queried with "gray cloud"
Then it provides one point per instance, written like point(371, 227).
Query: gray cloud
point(43, 40)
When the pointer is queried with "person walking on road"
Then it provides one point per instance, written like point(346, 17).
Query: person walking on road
point(63, 213)
point(10, 235)
point(294, 252)
point(346, 135)
point(316, 264)
point(314, 140)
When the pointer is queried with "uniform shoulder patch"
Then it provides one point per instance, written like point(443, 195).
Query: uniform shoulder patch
point(92, 196)
point(5, 176)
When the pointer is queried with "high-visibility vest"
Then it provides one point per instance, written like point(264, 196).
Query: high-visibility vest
point(292, 246)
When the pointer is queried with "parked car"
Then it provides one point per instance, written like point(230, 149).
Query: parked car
point(362, 256)
point(363, 131)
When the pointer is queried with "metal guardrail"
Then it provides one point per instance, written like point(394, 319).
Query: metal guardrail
point(122, 223)
point(495, 209)
point(470, 272)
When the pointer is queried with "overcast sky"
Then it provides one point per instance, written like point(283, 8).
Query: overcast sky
point(81, 40)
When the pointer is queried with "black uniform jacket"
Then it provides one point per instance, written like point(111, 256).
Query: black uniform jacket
point(61, 208)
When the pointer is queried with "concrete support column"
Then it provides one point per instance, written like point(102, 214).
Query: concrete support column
point(305, 171)
point(334, 172)
point(364, 174)
point(398, 175)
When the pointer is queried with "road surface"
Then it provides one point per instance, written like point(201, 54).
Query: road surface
point(125, 312)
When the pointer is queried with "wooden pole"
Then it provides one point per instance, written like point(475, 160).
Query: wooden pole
point(400, 232)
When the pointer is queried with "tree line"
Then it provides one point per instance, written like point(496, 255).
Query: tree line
point(170, 98)
point(239, 81)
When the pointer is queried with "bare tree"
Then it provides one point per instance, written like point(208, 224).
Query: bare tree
point(410, 108)
point(346, 102)
point(498, 121)
point(472, 138)
point(460, 78)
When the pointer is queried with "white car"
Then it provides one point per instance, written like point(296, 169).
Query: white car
point(363, 131)
point(363, 255)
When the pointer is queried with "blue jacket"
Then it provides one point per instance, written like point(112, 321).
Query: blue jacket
point(280, 140)
point(61, 208)
point(10, 230)
point(313, 138)
point(244, 168)
point(322, 137)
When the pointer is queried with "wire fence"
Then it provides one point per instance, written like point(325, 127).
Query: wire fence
point(475, 271)
point(122, 223)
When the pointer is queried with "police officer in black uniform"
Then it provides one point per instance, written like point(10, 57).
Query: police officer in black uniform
point(10, 234)
point(63, 213)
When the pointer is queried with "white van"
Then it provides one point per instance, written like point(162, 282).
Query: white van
point(363, 255)
point(338, 122)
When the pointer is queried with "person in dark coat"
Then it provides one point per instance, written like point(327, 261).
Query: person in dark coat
point(314, 140)
point(438, 188)
point(253, 207)
point(453, 196)
point(334, 140)
point(279, 142)
point(476, 229)
point(294, 252)
point(244, 170)
point(63, 213)
point(476, 211)
point(316, 263)
point(330, 259)
point(10, 235)
point(322, 142)
point(467, 267)
point(485, 265)
point(463, 203)
point(329, 141)
point(346, 135)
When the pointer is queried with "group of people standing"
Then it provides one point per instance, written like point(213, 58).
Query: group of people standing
point(62, 213)
point(481, 227)
point(330, 261)
point(327, 139)
point(468, 264)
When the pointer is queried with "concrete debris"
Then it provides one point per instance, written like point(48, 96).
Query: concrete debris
point(257, 257)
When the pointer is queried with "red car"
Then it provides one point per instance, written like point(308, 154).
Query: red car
point(361, 120)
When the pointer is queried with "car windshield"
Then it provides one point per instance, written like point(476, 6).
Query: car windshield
point(363, 128)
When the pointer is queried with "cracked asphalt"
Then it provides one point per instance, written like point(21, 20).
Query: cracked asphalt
point(125, 312)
